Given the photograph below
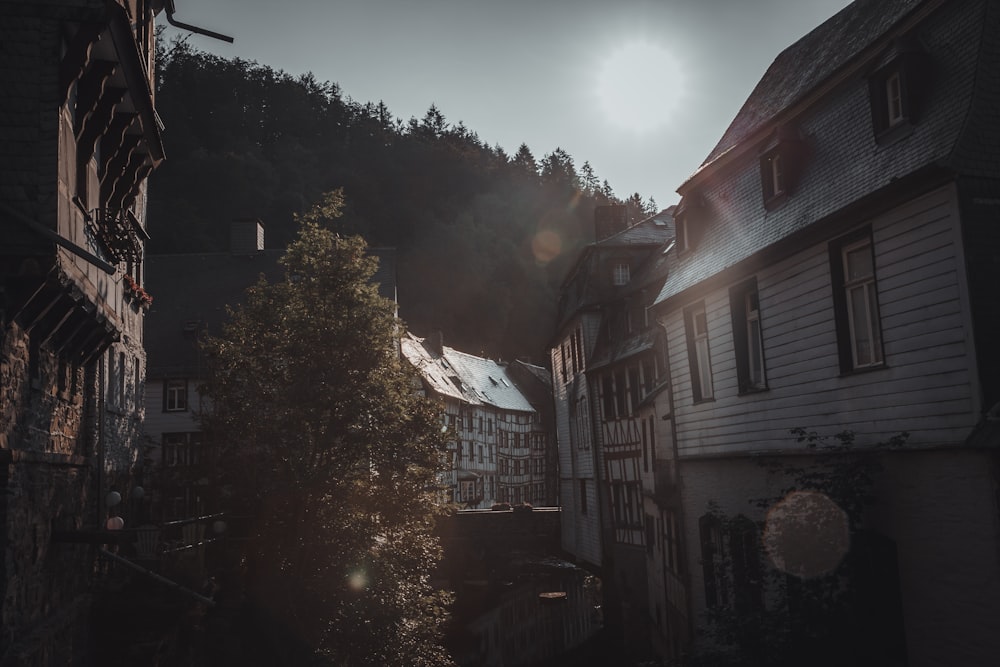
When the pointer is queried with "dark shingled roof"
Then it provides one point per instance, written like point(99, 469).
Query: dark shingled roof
point(586, 285)
point(845, 166)
point(809, 62)
point(191, 291)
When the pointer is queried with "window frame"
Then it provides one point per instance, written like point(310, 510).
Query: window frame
point(174, 406)
point(744, 349)
point(621, 274)
point(699, 353)
point(895, 91)
point(844, 314)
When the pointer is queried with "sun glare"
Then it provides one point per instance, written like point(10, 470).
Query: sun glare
point(639, 85)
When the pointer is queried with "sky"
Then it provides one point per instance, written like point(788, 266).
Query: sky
point(641, 89)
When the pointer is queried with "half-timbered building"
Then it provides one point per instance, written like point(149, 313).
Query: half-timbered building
point(607, 374)
point(497, 452)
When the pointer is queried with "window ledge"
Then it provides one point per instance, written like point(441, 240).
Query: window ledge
point(749, 391)
point(776, 201)
point(704, 400)
point(863, 370)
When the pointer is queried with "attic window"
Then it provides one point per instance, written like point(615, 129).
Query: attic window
point(895, 94)
point(620, 276)
point(690, 217)
point(781, 163)
point(774, 182)
point(894, 98)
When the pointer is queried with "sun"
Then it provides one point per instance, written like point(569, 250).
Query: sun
point(639, 85)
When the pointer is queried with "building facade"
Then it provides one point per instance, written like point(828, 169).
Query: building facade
point(828, 277)
point(608, 377)
point(501, 446)
point(79, 135)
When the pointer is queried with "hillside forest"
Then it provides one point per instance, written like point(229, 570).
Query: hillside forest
point(483, 237)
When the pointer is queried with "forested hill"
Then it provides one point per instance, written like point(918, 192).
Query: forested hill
point(483, 238)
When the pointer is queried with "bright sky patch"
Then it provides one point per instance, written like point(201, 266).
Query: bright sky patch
point(639, 85)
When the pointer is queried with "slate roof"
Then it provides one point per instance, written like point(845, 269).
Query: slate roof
point(810, 61)
point(190, 294)
point(465, 377)
point(586, 284)
point(845, 164)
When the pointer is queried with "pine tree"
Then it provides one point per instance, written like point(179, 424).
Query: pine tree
point(325, 444)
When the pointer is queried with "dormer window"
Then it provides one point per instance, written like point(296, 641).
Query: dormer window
point(681, 233)
point(620, 276)
point(774, 183)
point(781, 162)
point(690, 217)
point(894, 92)
point(894, 98)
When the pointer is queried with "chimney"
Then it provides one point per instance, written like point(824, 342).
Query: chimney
point(435, 342)
point(609, 220)
point(246, 237)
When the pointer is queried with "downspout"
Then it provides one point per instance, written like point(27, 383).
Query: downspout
point(170, 9)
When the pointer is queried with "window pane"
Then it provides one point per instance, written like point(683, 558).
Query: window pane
point(756, 366)
point(876, 336)
point(860, 326)
point(700, 324)
point(705, 377)
point(859, 263)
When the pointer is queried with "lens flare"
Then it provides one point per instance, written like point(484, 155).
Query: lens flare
point(357, 580)
point(806, 534)
point(546, 246)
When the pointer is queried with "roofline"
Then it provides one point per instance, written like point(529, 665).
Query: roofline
point(859, 62)
point(854, 214)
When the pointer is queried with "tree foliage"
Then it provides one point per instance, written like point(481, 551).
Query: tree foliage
point(323, 441)
point(244, 140)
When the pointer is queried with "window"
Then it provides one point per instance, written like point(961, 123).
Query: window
point(696, 327)
point(781, 163)
point(120, 391)
point(608, 397)
point(175, 395)
point(633, 387)
point(859, 333)
point(894, 99)
point(690, 217)
point(747, 339)
point(621, 274)
point(716, 591)
point(620, 397)
point(774, 183)
point(896, 90)
point(681, 235)
point(578, 344)
point(181, 449)
point(583, 496)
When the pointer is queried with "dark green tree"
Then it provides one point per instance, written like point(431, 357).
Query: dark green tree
point(324, 443)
